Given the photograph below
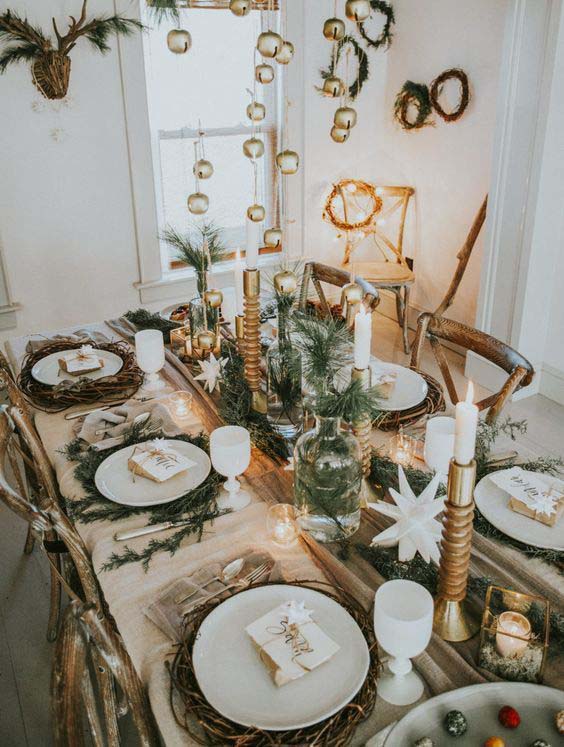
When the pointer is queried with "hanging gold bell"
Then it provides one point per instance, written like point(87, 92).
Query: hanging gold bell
point(357, 10)
point(240, 7)
point(334, 29)
point(213, 298)
point(339, 135)
point(288, 161)
point(206, 341)
point(264, 73)
point(179, 41)
point(256, 112)
point(285, 281)
point(273, 237)
point(345, 117)
point(285, 53)
point(198, 203)
point(253, 148)
point(269, 43)
point(256, 213)
point(203, 169)
point(333, 87)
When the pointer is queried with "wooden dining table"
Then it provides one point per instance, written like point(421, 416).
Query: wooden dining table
point(130, 589)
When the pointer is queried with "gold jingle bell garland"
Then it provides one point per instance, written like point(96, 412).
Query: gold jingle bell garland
point(436, 88)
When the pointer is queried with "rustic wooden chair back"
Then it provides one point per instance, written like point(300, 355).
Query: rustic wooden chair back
point(95, 637)
point(436, 329)
point(387, 232)
point(317, 273)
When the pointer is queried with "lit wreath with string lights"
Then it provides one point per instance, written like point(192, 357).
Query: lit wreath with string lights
point(436, 88)
point(338, 192)
point(385, 37)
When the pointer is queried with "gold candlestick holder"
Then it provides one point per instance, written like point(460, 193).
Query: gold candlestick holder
point(240, 333)
point(362, 429)
point(251, 326)
point(453, 621)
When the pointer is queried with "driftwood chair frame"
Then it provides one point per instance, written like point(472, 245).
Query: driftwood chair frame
point(87, 641)
point(317, 273)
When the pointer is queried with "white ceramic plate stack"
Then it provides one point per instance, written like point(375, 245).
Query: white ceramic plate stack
point(48, 371)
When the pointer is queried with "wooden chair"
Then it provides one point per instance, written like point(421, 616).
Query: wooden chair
point(88, 641)
point(317, 273)
point(389, 270)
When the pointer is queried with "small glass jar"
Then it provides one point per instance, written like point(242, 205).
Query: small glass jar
point(281, 525)
point(285, 410)
point(327, 481)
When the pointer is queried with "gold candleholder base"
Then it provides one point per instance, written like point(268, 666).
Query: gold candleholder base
point(240, 333)
point(453, 620)
point(251, 326)
point(362, 429)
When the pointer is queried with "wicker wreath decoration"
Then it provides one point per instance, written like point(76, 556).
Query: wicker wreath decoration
point(338, 194)
point(413, 95)
point(385, 37)
point(437, 86)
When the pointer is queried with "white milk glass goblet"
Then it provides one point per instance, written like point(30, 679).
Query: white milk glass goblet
point(230, 452)
point(150, 354)
point(403, 622)
point(439, 444)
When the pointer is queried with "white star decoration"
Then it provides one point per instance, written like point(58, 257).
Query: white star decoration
point(212, 370)
point(297, 613)
point(416, 529)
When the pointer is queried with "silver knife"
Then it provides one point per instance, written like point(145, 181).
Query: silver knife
point(152, 529)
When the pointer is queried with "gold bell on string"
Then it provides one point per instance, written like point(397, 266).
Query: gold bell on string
point(333, 87)
point(285, 53)
point(256, 112)
point(357, 10)
point(213, 298)
point(269, 43)
point(198, 203)
point(285, 281)
point(203, 169)
point(256, 213)
point(345, 117)
point(288, 161)
point(334, 29)
point(253, 148)
point(339, 135)
point(273, 237)
point(240, 7)
point(264, 74)
point(179, 41)
point(206, 341)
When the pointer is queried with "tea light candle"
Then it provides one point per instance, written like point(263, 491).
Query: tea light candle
point(362, 338)
point(179, 405)
point(403, 450)
point(252, 248)
point(239, 284)
point(466, 416)
point(510, 624)
point(281, 525)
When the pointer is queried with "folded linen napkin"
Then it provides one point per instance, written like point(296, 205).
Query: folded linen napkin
point(80, 337)
point(168, 616)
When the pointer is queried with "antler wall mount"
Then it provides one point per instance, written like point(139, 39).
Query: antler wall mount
point(50, 61)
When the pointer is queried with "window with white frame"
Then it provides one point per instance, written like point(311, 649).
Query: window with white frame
point(209, 87)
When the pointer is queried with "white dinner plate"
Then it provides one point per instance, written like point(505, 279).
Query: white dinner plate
point(536, 704)
point(115, 481)
point(238, 685)
point(409, 391)
point(48, 371)
point(493, 502)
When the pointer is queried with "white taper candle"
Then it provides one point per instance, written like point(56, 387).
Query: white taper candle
point(362, 338)
point(466, 415)
point(252, 247)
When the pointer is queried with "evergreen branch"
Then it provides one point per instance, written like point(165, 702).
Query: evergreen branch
point(352, 404)
point(143, 319)
point(326, 346)
point(14, 28)
point(99, 30)
point(189, 246)
point(163, 10)
point(23, 52)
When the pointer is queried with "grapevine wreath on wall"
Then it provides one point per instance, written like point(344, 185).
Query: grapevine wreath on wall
point(423, 100)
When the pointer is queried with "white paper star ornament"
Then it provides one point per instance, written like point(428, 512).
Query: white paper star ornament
point(416, 530)
point(212, 370)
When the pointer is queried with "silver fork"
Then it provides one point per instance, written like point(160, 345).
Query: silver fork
point(247, 580)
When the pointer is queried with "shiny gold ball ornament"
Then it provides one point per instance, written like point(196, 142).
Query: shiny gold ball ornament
point(286, 53)
point(256, 112)
point(240, 7)
point(179, 41)
point(288, 161)
point(285, 281)
point(203, 169)
point(357, 10)
point(198, 203)
point(345, 117)
point(253, 148)
point(269, 43)
point(339, 135)
point(273, 237)
point(213, 298)
point(256, 213)
point(333, 87)
point(334, 29)
point(264, 74)
point(206, 341)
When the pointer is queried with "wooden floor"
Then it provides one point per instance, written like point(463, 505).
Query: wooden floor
point(25, 655)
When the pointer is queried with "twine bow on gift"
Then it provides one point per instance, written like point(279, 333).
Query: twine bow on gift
point(289, 627)
point(155, 449)
point(83, 354)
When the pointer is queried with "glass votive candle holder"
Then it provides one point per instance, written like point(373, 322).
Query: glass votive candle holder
point(179, 404)
point(402, 449)
point(281, 525)
point(439, 443)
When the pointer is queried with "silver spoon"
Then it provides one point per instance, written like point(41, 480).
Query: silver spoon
point(230, 571)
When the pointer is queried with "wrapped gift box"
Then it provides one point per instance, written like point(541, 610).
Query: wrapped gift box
point(531, 496)
point(386, 384)
point(81, 361)
point(157, 461)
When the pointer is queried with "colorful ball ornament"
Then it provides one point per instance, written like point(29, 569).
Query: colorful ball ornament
point(455, 723)
point(253, 148)
point(264, 74)
point(509, 717)
point(345, 117)
point(198, 203)
point(357, 10)
point(286, 53)
point(256, 213)
point(203, 169)
point(273, 237)
point(494, 742)
point(340, 135)
point(240, 7)
point(334, 29)
point(424, 742)
point(269, 43)
point(559, 721)
point(285, 281)
point(288, 161)
point(333, 87)
point(179, 41)
point(256, 112)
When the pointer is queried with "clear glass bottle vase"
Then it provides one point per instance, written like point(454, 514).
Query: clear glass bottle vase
point(327, 481)
point(285, 410)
